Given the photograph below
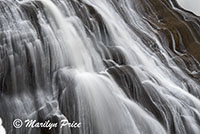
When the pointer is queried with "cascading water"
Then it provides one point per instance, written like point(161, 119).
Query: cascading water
point(101, 63)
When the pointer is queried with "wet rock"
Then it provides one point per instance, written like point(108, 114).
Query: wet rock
point(128, 80)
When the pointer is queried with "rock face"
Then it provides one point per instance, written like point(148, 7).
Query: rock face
point(115, 66)
point(180, 29)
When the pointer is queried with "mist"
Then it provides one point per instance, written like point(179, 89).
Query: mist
point(191, 5)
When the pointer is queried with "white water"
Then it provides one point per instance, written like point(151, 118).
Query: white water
point(105, 98)
point(102, 94)
point(103, 107)
point(2, 129)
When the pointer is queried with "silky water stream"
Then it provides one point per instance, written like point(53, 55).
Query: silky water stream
point(87, 61)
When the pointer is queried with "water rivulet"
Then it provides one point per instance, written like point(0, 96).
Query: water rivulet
point(115, 66)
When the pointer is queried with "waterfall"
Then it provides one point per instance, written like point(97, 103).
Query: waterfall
point(2, 129)
point(114, 66)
